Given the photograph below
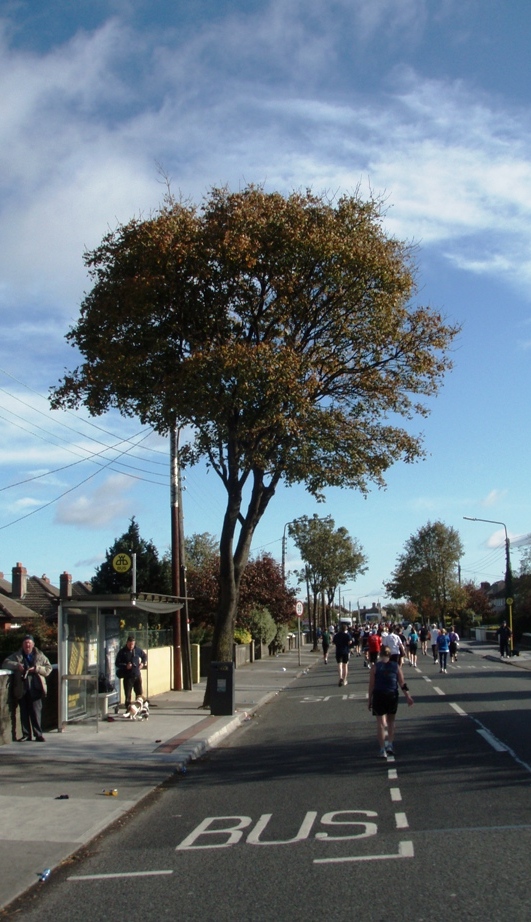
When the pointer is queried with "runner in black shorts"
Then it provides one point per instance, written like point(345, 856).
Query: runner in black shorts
point(385, 679)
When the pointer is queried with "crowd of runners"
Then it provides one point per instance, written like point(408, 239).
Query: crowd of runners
point(384, 649)
point(365, 641)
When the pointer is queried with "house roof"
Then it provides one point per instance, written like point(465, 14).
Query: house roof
point(11, 610)
point(41, 598)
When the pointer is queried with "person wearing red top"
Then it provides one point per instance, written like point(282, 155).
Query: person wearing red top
point(374, 644)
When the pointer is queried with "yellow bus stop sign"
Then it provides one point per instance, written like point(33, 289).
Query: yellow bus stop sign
point(121, 563)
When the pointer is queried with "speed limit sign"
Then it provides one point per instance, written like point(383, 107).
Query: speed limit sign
point(299, 609)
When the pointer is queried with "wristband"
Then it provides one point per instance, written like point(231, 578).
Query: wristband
point(404, 687)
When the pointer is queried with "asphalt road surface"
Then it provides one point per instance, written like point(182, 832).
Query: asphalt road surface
point(296, 818)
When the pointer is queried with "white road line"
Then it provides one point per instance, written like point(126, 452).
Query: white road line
point(392, 774)
point(396, 796)
point(439, 690)
point(123, 874)
point(405, 850)
point(401, 821)
point(426, 679)
point(458, 709)
point(492, 741)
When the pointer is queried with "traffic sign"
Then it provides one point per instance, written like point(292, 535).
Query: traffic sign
point(299, 609)
point(121, 563)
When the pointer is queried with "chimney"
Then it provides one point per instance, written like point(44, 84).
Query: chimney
point(19, 577)
point(65, 586)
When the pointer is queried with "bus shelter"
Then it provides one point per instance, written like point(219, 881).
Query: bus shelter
point(90, 633)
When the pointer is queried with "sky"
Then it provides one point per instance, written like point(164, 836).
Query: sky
point(424, 102)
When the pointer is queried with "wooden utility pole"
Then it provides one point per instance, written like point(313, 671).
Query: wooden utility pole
point(175, 557)
point(186, 654)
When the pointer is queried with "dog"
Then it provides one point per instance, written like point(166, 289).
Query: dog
point(138, 710)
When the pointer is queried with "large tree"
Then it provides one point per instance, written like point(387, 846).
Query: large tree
point(279, 329)
point(426, 571)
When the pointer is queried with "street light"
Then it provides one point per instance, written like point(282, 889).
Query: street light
point(284, 550)
point(508, 572)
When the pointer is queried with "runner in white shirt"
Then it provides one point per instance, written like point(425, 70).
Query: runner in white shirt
point(392, 640)
point(434, 633)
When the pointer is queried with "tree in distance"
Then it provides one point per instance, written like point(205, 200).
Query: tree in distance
point(279, 330)
point(426, 571)
point(330, 557)
point(153, 574)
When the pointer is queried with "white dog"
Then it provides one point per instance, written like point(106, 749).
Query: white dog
point(138, 710)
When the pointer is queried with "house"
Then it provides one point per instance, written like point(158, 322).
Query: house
point(495, 593)
point(29, 598)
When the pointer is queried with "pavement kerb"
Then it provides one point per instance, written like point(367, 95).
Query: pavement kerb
point(189, 752)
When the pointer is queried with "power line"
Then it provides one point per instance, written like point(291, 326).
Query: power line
point(64, 493)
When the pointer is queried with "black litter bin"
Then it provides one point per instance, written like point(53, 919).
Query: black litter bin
point(221, 678)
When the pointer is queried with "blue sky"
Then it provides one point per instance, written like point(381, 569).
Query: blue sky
point(423, 101)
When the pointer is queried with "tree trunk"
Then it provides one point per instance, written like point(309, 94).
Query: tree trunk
point(233, 562)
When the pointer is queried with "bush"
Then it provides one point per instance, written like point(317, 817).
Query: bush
point(262, 626)
point(280, 640)
point(242, 636)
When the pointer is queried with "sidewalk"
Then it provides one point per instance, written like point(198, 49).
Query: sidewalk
point(491, 652)
point(39, 831)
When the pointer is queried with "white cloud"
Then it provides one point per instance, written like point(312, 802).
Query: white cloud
point(83, 133)
point(106, 504)
point(493, 498)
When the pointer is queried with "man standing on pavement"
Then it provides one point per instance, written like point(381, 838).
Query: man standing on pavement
point(30, 668)
point(129, 663)
point(504, 635)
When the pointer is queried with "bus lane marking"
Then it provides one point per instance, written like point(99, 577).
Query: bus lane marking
point(231, 831)
point(405, 850)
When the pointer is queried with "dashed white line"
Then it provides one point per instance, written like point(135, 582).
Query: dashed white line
point(396, 795)
point(439, 691)
point(401, 821)
point(458, 709)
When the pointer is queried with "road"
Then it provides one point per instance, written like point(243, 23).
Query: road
point(295, 818)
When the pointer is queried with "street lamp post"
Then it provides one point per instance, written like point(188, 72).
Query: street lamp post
point(508, 573)
point(284, 540)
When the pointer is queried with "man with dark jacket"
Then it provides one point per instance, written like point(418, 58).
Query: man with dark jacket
point(504, 634)
point(130, 660)
point(30, 668)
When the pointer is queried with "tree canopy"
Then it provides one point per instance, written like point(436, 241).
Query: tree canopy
point(330, 555)
point(279, 329)
point(426, 571)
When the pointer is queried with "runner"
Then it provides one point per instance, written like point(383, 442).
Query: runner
point(453, 637)
point(385, 678)
point(424, 639)
point(342, 642)
point(413, 646)
point(325, 640)
point(434, 633)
